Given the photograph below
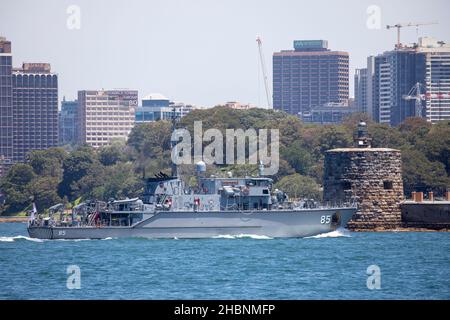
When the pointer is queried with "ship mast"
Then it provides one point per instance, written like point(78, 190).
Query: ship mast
point(173, 143)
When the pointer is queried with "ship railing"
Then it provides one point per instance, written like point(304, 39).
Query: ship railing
point(310, 204)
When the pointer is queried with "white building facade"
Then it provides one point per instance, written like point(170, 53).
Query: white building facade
point(105, 115)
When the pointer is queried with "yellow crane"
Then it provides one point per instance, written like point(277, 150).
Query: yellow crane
point(409, 24)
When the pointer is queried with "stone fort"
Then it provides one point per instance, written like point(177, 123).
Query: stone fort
point(370, 176)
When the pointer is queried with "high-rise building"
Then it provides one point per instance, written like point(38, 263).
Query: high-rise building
point(35, 109)
point(68, 122)
point(308, 76)
point(361, 90)
point(392, 75)
point(395, 74)
point(6, 116)
point(436, 56)
point(105, 115)
point(370, 86)
point(156, 107)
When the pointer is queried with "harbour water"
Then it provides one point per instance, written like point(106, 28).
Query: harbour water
point(413, 265)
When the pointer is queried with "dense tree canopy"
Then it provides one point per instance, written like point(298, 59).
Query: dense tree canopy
point(16, 186)
point(299, 187)
point(56, 175)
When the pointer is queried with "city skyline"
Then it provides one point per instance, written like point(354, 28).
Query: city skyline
point(185, 50)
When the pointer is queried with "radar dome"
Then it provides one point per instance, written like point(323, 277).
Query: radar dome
point(200, 167)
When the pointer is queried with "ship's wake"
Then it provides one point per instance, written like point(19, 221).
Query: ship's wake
point(19, 238)
point(242, 236)
point(341, 232)
point(333, 234)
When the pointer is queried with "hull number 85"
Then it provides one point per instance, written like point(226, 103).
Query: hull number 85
point(325, 219)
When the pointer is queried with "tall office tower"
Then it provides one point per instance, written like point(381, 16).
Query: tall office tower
point(436, 56)
point(310, 75)
point(6, 117)
point(395, 73)
point(370, 75)
point(105, 115)
point(361, 90)
point(68, 122)
point(35, 109)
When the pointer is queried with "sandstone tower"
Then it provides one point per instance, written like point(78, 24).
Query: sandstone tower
point(372, 176)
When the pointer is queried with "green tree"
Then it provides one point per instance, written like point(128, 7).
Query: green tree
point(47, 162)
point(298, 158)
point(415, 130)
point(113, 154)
point(45, 191)
point(298, 186)
point(82, 163)
point(284, 169)
point(436, 144)
point(332, 137)
point(16, 186)
point(384, 136)
point(421, 174)
point(120, 181)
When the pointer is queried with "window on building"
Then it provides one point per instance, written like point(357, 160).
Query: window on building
point(387, 185)
point(346, 185)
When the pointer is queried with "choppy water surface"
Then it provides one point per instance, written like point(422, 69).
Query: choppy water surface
point(330, 266)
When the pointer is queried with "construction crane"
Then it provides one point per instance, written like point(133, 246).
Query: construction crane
point(409, 24)
point(419, 94)
point(416, 94)
point(263, 66)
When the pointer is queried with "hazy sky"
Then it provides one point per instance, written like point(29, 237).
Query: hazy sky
point(198, 51)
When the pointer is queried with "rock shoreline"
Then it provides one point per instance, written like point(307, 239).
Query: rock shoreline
point(13, 219)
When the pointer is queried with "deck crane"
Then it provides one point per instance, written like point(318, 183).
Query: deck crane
point(263, 66)
point(409, 24)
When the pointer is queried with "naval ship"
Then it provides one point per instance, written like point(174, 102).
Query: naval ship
point(216, 207)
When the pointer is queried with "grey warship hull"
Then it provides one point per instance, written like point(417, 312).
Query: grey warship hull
point(188, 224)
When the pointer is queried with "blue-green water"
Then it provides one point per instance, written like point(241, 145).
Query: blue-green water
point(334, 266)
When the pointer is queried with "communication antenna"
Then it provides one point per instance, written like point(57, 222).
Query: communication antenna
point(173, 143)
